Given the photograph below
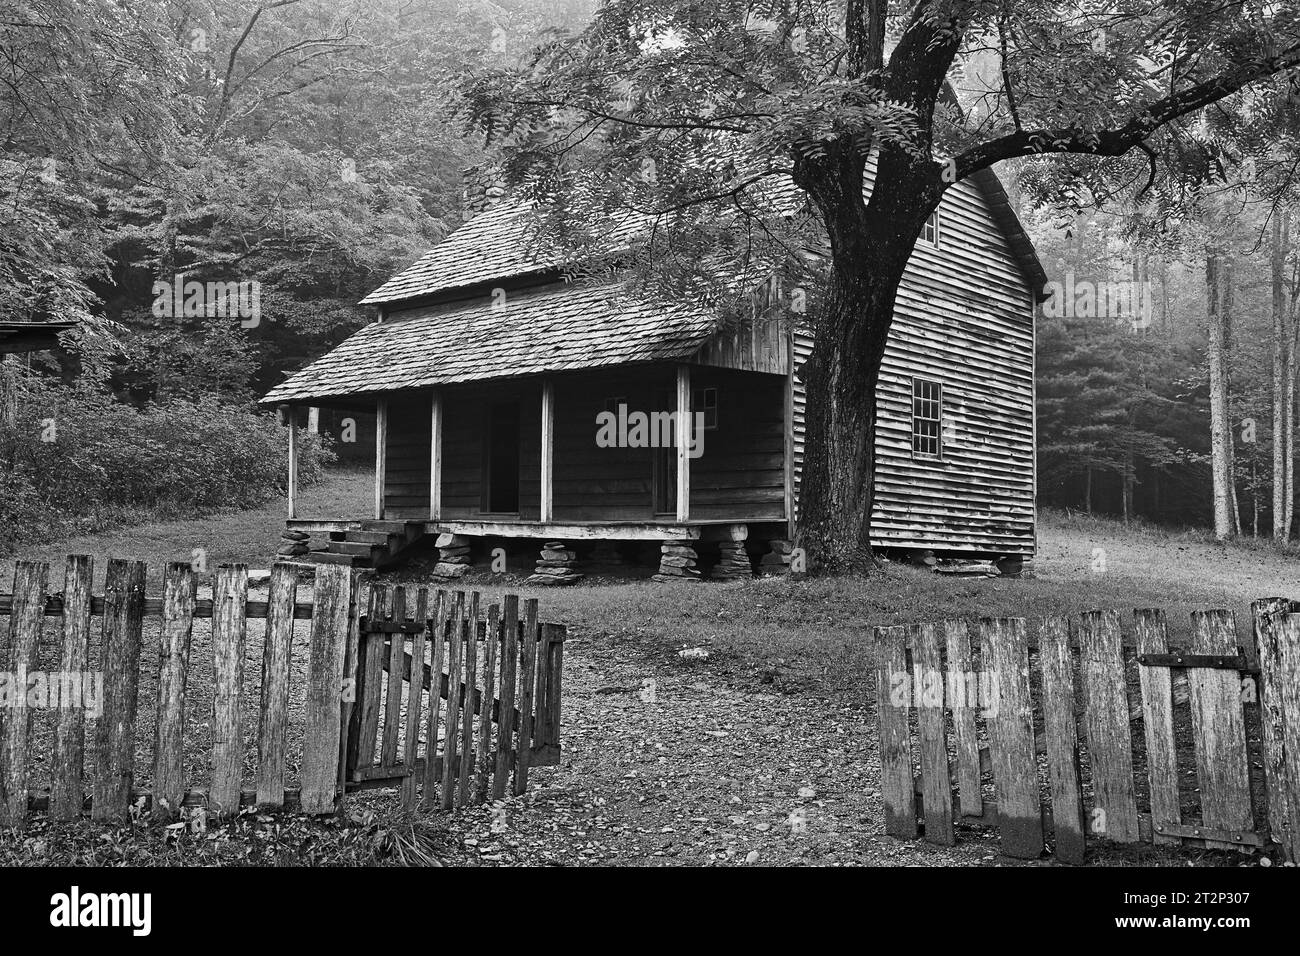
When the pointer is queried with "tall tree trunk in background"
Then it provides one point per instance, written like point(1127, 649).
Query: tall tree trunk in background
point(1281, 423)
point(1127, 492)
point(1166, 324)
point(1226, 310)
point(1289, 494)
point(1220, 427)
point(1087, 491)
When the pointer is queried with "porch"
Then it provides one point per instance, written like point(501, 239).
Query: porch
point(673, 453)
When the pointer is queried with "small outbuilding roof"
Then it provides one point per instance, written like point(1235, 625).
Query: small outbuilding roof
point(553, 328)
point(31, 336)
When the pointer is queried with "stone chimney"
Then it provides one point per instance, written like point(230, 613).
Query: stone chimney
point(481, 189)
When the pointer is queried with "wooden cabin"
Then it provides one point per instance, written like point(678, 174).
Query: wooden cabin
point(488, 375)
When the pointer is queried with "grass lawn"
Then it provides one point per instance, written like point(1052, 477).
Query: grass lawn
point(799, 632)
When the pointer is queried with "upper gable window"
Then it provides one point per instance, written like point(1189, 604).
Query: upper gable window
point(930, 231)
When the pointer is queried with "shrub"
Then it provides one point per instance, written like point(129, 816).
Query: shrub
point(74, 459)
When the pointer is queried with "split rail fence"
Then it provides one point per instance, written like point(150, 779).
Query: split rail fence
point(1039, 709)
point(358, 708)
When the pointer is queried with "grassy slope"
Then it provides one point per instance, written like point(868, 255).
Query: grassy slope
point(248, 536)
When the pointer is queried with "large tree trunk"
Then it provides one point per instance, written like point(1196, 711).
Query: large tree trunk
point(1216, 278)
point(850, 329)
point(838, 483)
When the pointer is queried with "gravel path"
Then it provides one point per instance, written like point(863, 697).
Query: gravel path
point(663, 765)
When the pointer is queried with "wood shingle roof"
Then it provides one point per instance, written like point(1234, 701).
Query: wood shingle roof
point(552, 328)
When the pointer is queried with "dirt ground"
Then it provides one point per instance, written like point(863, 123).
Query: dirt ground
point(664, 764)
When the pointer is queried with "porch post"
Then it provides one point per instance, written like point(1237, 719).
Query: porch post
point(381, 454)
point(548, 450)
point(313, 419)
point(435, 458)
point(683, 434)
point(292, 420)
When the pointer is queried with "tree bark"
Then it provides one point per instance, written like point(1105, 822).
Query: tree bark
point(1220, 427)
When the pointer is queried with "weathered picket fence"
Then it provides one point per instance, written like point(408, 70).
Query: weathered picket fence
point(1028, 697)
point(340, 698)
point(395, 684)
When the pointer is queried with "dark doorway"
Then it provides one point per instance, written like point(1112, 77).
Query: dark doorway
point(503, 459)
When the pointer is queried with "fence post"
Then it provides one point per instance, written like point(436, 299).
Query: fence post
point(554, 671)
point(965, 687)
point(1280, 668)
point(1219, 729)
point(527, 678)
point(173, 664)
point(936, 785)
point(491, 640)
point(66, 793)
point(120, 664)
point(26, 620)
point(414, 686)
point(229, 630)
point(273, 721)
point(1062, 733)
point(1110, 747)
point(506, 715)
point(450, 746)
point(893, 700)
point(1005, 654)
point(1158, 723)
point(330, 620)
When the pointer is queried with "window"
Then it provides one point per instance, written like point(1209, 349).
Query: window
point(706, 400)
point(927, 419)
point(930, 231)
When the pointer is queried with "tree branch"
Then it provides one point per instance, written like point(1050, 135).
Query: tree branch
point(1117, 141)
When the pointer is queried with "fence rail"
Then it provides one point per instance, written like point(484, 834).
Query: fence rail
point(1045, 695)
point(343, 643)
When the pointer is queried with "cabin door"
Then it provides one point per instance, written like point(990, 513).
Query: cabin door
point(502, 465)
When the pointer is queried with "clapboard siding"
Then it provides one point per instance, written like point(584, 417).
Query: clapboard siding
point(964, 318)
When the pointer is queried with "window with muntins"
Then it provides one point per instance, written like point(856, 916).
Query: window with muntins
point(927, 419)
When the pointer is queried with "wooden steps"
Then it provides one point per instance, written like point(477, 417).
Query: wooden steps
point(377, 544)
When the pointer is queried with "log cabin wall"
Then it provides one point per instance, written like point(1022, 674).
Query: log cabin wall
point(964, 320)
point(604, 484)
point(741, 473)
point(406, 464)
